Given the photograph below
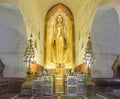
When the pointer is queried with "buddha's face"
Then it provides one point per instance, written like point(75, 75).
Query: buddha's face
point(59, 19)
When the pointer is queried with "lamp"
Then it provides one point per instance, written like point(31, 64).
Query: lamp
point(89, 58)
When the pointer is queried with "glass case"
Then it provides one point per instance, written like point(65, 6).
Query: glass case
point(71, 85)
point(81, 84)
point(47, 85)
point(37, 87)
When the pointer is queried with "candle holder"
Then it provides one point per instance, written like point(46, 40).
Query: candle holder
point(89, 58)
point(29, 54)
point(29, 58)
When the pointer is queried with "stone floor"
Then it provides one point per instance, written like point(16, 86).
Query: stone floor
point(7, 95)
point(113, 95)
point(62, 96)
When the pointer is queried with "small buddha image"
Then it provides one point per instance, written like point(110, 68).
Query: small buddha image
point(44, 72)
point(72, 71)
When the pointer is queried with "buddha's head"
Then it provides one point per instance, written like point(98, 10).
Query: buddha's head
point(59, 19)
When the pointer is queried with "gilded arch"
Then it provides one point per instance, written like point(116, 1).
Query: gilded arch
point(50, 52)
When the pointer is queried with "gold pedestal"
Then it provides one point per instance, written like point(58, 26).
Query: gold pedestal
point(26, 86)
point(28, 78)
point(28, 81)
point(59, 80)
point(59, 84)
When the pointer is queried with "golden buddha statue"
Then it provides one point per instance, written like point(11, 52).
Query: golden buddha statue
point(59, 41)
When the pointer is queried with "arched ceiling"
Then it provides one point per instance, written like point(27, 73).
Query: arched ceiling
point(105, 39)
point(105, 30)
point(11, 14)
point(13, 39)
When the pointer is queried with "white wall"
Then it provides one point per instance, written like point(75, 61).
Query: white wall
point(106, 41)
point(12, 40)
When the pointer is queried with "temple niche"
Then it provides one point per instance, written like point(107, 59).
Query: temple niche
point(59, 38)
